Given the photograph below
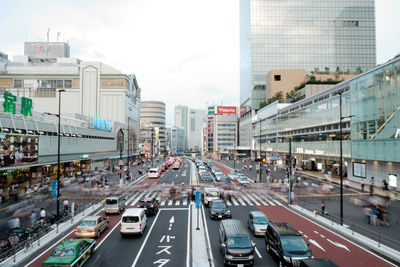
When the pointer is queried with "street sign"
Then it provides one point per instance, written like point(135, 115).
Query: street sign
point(120, 162)
point(198, 199)
point(54, 186)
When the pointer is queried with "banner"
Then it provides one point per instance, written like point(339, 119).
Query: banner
point(18, 150)
point(226, 110)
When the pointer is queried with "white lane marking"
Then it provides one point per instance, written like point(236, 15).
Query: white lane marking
point(322, 236)
point(266, 197)
point(228, 203)
point(252, 199)
point(277, 202)
point(241, 201)
point(176, 175)
point(234, 201)
point(148, 193)
point(328, 230)
point(210, 255)
point(158, 196)
point(174, 209)
point(173, 182)
point(178, 202)
point(132, 198)
point(172, 220)
point(163, 202)
point(316, 244)
point(316, 232)
point(247, 200)
point(112, 230)
point(258, 253)
point(259, 199)
point(300, 232)
point(162, 239)
point(154, 194)
point(188, 238)
point(306, 236)
point(184, 201)
point(170, 202)
point(339, 245)
point(145, 240)
point(137, 199)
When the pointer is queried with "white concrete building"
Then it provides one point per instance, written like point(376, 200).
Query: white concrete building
point(196, 118)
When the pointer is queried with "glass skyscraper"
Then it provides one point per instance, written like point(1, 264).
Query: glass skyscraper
point(335, 35)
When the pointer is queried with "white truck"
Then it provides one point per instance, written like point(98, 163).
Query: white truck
point(210, 193)
point(154, 173)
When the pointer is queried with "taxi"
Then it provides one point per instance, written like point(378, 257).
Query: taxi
point(71, 252)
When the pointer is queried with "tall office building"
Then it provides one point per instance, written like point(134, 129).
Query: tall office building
point(181, 119)
point(152, 127)
point(196, 119)
point(308, 34)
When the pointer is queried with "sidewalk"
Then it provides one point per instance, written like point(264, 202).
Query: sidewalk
point(336, 180)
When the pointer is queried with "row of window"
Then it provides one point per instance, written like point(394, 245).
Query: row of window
point(37, 84)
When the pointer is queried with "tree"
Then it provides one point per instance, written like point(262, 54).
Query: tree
point(326, 70)
point(294, 96)
point(277, 96)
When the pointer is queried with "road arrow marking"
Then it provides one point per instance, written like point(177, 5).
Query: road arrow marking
point(172, 220)
point(338, 245)
point(316, 244)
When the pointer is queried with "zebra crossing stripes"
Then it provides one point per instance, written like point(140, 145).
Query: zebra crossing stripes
point(259, 199)
point(247, 200)
point(252, 199)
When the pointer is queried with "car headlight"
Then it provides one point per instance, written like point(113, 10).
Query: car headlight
point(228, 211)
point(287, 259)
point(251, 257)
point(229, 257)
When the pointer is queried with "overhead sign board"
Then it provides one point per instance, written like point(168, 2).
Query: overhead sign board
point(226, 110)
point(102, 124)
point(243, 110)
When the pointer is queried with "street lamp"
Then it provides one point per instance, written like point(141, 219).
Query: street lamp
point(58, 150)
point(234, 151)
point(341, 155)
point(260, 151)
point(128, 148)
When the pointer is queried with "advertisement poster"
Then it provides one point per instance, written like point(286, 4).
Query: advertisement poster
point(18, 150)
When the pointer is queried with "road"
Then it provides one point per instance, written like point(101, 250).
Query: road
point(166, 240)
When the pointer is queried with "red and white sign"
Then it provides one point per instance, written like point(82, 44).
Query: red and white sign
point(243, 109)
point(226, 110)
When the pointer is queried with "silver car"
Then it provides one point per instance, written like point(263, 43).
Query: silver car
point(257, 223)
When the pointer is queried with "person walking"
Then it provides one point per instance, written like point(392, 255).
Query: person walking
point(42, 215)
point(362, 185)
point(33, 218)
point(66, 204)
point(323, 207)
point(371, 186)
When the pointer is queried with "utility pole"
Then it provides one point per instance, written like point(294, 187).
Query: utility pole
point(290, 171)
point(341, 159)
point(152, 149)
point(260, 152)
point(234, 151)
point(58, 149)
point(128, 149)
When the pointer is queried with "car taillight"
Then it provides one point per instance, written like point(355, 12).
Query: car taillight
point(152, 206)
point(140, 226)
point(93, 230)
point(138, 205)
point(76, 230)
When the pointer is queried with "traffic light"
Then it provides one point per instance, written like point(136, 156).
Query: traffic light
point(145, 155)
point(264, 160)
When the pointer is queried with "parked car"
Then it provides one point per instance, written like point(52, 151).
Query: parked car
point(70, 252)
point(91, 226)
point(286, 244)
point(257, 222)
point(219, 210)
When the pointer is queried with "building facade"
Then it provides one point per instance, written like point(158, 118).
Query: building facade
point(152, 126)
point(194, 129)
point(222, 124)
point(370, 124)
point(181, 119)
point(307, 35)
point(175, 139)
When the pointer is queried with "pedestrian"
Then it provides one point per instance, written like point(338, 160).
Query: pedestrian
point(371, 186)
point(362, 185)
point(66, 204)
point(374, 213)
point(42, 215)
point(33, 218)
point(384, 185)
point(322, 207)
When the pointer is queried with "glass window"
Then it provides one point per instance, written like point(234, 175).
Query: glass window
point(17, 83)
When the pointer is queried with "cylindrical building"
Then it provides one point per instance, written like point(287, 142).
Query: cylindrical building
point(152, 120)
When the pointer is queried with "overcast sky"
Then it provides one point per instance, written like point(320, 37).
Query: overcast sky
point(182, 51)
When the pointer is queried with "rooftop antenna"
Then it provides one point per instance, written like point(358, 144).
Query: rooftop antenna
point(48, 34)
point(58, 35)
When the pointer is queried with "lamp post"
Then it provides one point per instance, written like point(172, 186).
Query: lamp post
point(128, 149)
point(58, 152)
point(260, 151)
point(152, 148)
point(234, 151)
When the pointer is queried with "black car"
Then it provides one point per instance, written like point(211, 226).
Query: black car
point(150, 204)
point(218, 210)
point(287, 244)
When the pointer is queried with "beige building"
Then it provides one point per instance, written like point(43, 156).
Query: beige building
point(283, 80)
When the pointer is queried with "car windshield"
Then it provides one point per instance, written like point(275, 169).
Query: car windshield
point(206, 178)
point(111, 201)
point(260, 220)
point(212, 194)
point(87, 223)
point(239, 171)
point(243, 179)
point(144, 202)
point(233, 174)
point(218, 205)
point(239, 242)
point(226, 180)
point(63, 252)
point(130, 219)
point(294, 244)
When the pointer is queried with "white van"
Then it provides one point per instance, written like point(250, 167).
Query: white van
point(154, 173)
point(114, 204)
point(133, 221)
point(210, 193)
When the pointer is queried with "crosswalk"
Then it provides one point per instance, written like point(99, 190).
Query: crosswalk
point(249, 198)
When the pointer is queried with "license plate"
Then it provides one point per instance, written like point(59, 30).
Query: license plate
point(240, 265)
point(145, 208)
point(219, 216)
point(262, 233)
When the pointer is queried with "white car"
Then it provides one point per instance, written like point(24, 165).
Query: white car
point(233, 175)
point(243, 180)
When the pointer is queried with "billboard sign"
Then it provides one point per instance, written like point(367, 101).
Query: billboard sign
point(54, 186)
point(226, 110)
point(243, 110)
point(18, 150)
point(211, 110)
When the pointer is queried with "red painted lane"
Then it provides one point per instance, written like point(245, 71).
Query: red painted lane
point(114, 220)
point(356, 256)
point(225, 170)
